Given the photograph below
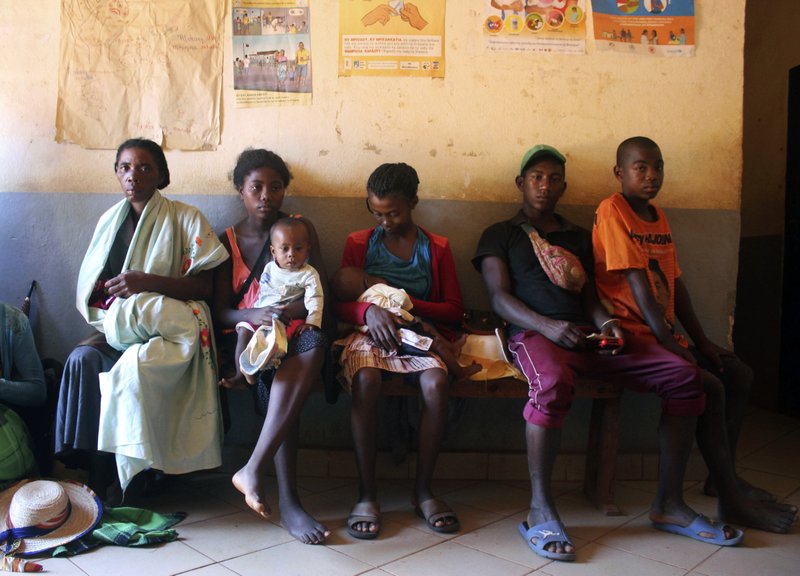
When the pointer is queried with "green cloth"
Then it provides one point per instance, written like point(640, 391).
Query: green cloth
point(126, 526)
point(16, 450)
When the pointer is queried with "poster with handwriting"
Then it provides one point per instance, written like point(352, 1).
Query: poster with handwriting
point(149, 69)
point(391, 38)
point(271, 56)
point(555, 26)
point(648, 27)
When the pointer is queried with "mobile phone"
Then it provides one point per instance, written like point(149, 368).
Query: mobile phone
point(603, 343)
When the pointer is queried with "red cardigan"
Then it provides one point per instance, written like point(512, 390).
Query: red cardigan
point(445, 305)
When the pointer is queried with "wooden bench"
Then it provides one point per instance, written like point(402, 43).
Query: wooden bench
point(601, 449)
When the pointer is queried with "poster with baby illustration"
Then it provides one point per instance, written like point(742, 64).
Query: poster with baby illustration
point(648, 27)
point(391, 38)
point(557, 26)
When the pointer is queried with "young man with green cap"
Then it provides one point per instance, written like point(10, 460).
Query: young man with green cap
point(537, 268)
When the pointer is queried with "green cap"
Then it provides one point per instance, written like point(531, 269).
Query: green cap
point(537, 152)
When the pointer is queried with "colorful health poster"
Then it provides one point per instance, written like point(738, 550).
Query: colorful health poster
point(557, 26)
point(394, 38)
point(655, 27)
point(272, 62)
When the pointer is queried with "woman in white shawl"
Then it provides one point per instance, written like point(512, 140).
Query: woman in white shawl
point(142, 393)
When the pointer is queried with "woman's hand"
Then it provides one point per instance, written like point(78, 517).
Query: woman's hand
point(382, 326)
point(129, 283)
point(263, 316)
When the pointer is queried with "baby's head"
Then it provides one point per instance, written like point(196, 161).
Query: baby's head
point(289, 243)
point(348, 283)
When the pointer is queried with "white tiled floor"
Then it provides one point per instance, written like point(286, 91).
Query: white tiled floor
point(221, 537)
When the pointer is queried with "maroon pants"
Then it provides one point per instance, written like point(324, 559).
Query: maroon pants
point(643, 366)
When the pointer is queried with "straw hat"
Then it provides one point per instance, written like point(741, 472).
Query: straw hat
point(44, 514)
point(266, 348)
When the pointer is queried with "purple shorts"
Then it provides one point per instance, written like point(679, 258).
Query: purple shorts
point(643, 366)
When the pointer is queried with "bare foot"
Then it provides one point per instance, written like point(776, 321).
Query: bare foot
point(464, 372)
point(236, 382)
point(248, 484)
point(769, 516)
point(301, 524)
point(747, 490)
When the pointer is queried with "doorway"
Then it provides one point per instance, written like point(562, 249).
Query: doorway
point(789, 391)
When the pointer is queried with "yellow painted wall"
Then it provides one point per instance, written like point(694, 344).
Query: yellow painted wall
point(464, 134)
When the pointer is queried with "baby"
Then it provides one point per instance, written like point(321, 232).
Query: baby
point(288, 277)
point(417, 337)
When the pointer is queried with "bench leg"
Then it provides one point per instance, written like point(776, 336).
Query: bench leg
point(601, 455)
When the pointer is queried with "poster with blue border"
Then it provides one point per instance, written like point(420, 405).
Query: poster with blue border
point(649, 27)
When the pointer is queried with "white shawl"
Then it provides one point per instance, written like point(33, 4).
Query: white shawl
point(159, 403)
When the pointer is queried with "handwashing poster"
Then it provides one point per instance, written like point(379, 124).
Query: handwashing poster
point(556, 26)
point(391, 38)
point(655, 27)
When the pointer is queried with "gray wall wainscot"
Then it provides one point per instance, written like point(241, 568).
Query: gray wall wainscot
point(44, 237)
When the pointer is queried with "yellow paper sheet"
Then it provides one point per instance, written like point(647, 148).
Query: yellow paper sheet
point(148, 69)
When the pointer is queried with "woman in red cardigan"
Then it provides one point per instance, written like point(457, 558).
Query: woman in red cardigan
point(398, 253)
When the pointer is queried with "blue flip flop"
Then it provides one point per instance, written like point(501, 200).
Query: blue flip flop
point(546, 533)
point(702, 524)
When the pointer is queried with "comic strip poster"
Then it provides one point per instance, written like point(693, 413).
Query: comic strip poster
point(654, 27)
point(391, 38)
point(271, 56)
point(535, 26)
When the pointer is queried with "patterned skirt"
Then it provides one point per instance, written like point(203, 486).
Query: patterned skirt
point(360, 351)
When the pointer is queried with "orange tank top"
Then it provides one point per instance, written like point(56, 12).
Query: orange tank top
point(241, 272)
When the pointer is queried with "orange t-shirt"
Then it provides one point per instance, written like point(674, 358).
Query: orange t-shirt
point(623, 241)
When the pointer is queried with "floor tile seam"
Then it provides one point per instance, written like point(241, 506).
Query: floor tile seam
point(464, 532)
point(740, 468)
point(213, 563)
point(661, 562)
point(188, 521)
point(387, 562)
point(494, 511)
point(463, 545)
point(442, 542)
point(185, 542)
point(631, 519)
point(222, 561)
point(73, 563)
